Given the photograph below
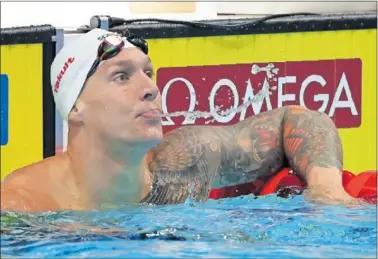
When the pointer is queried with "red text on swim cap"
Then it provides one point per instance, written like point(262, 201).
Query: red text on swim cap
point(62, 72)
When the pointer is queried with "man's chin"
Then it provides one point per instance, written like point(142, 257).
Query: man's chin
point(148, 144)
point(153, 133)
point(152, 140)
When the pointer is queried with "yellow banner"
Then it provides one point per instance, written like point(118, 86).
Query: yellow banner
point(22, 131)
point(346, 89)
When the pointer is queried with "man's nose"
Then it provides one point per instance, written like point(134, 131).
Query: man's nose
point(150, 91)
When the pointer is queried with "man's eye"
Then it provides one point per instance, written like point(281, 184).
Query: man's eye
point(121, 78)
point(150, 74)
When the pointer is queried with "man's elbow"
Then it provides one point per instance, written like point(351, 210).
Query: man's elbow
point(300, 109)
point(316, 117)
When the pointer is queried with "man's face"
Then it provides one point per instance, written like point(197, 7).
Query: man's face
point(121, 101)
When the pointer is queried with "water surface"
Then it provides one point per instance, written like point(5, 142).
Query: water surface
point(243, 227)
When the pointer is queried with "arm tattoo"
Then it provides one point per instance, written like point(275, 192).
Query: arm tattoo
point(199, 157)
point(185, 161)
point(255, 150)
point(192, 160)
point(311, 139)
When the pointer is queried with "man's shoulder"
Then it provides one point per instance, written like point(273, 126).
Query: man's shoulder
point(28, 174)
point(21, 186)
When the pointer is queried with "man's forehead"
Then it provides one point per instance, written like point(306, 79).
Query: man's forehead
point(129, 56)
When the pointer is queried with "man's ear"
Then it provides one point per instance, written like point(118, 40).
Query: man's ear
point(76, 115)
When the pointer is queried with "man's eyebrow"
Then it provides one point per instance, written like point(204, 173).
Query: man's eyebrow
point(128, 63)
point(147, 61)
point(121, 63)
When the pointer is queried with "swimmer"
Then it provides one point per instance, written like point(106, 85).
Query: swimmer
point(116, 154)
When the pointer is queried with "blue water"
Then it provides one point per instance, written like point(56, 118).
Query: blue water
point(243, 227)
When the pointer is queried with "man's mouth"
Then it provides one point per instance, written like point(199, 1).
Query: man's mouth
point(152, 114)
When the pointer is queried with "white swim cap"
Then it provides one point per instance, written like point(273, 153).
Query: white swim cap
point(71, 65)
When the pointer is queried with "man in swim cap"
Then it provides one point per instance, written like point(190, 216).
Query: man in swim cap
point(103, 87)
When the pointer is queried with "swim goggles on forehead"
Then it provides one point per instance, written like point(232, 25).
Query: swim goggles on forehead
point(112, 45)
point(109, 47)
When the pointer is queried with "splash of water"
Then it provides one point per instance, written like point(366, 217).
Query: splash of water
point(269, 69)
point(270, 72)
point(259, 97)
point(189, 201)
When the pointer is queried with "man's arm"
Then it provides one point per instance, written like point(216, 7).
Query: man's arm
point(314, 150)
point(199, 156)
point(191, 160)
point(311, 141)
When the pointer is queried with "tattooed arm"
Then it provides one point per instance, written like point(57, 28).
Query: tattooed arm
point(314, 150)
point(201, 157)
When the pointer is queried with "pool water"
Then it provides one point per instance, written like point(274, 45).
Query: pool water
point(243, 227)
